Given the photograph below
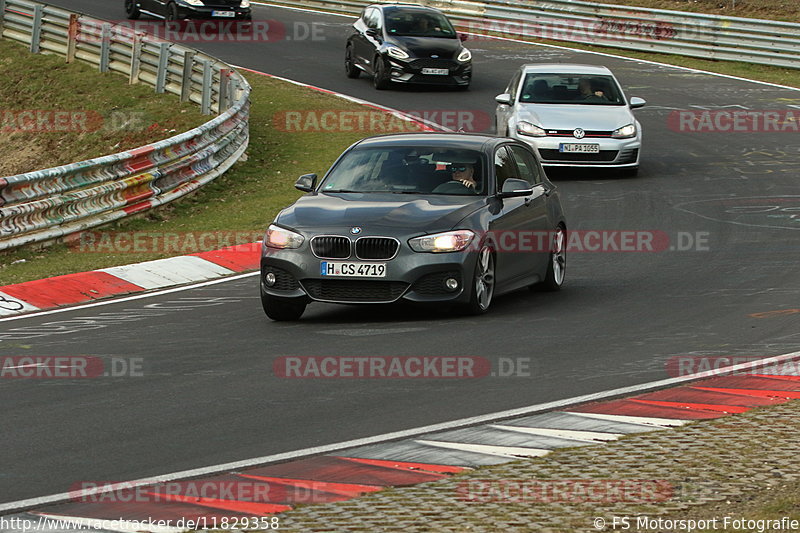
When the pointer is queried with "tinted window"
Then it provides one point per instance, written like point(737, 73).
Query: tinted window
point(402, 169)
point(528, 169)
point(504, 167)
point(418, 23)
point(584, 89)
point(372, 18)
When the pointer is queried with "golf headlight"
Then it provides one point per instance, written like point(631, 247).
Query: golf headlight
point(465, 55)
point(278, 237)
point(450, 241)
point(526, 128)
point(194, 2)
point(624, 132)
point(397, 53)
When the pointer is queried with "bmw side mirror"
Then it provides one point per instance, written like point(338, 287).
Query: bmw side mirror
point(306, 182)
point(514, 187)
point(504, 99)
point(463, 36)
point(637, 102)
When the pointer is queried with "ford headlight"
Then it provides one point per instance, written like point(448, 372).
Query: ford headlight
point(397, 53)
point(278, 237)
point(625, 132)
point(465, 55)
point(449, 241)
point(531, 130)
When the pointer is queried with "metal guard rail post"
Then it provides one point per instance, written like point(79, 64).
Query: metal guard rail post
point(53, 203)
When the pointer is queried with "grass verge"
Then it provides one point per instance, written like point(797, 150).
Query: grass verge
point(52, 113)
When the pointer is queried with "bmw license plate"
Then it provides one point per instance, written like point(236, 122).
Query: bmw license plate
point(436, 71)
point(353, 270)
point(224, 14)
point(580, 148)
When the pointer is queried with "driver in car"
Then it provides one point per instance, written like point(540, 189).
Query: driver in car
point(463, 173)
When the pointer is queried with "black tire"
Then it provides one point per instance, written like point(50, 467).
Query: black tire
point(381, 77)
point(482, 282)
point(282, 309)
point(556, 263)
point(131, 10)
point(350, 67)
point(172, 12)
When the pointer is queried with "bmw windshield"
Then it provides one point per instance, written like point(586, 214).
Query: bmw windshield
point(410, 170)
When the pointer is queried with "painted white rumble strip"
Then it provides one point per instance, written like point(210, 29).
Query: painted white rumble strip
point(168, 272)
point(569, 434)
point(12, 306)
point(642, 420)
point(503, 451)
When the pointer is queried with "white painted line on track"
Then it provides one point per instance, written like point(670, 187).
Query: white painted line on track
point(640, 420)
point(512, 452)
point(418, 432)
point(130, 298)
point(569, 434)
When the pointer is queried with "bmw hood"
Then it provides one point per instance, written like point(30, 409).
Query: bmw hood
point(401, 213)
point(427, 47)
point(569, 116)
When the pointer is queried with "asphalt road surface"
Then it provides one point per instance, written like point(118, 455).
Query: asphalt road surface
point(204, 392)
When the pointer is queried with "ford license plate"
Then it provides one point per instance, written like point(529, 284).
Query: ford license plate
point(580, 148)
point(436, 71)
point(352, 270)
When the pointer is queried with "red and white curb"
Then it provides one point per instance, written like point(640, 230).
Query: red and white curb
point(349, 470)
point(83, 287)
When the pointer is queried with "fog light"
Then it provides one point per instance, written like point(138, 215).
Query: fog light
point(396, 73)
point(269, 279)
point(451, 284)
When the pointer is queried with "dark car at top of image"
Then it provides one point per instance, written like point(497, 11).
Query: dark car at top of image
point(407, 43)
point(189, 9)
point(421, 217)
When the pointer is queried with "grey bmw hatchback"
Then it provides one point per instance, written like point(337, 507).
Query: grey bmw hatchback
point(421, 217)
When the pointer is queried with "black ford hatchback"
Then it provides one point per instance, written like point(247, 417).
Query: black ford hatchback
point(407, 43)
point(189, 9)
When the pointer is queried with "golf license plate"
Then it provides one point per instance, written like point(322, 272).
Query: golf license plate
point(580, 148)
point(223, 14)
point(436, 71)
point(352, 270)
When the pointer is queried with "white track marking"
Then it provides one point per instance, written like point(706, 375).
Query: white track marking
point(130, 298)
point(501, 451)
point(569, 434)
point(641, 420)
point(420, 431)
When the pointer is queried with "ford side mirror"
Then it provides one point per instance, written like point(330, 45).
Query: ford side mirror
point(306, 182)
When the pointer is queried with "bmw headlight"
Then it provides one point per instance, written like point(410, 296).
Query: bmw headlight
point(397, 53)
point(278, 237)
point(194, 2)
point(625, 132)
point(465, 55)
point(449, 241)
point(531, 130)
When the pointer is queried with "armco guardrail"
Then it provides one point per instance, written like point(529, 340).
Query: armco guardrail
point(49, 204)
point(764, 42)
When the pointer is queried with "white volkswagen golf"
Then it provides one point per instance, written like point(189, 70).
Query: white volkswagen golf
point(572, 116)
